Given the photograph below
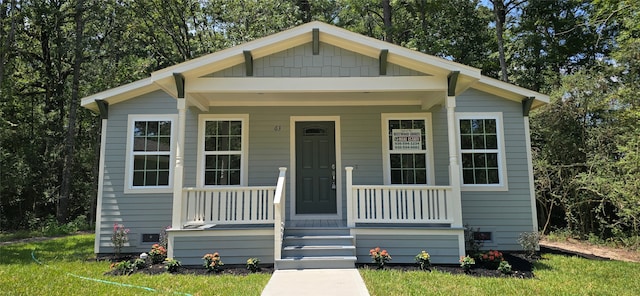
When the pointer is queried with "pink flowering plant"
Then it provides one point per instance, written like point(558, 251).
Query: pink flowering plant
point(157, 254)
point(379, 257)
point(212, 262)
point(119, 237)
point(491, 259)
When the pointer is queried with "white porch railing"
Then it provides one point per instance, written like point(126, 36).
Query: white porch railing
point(280, 214)
point(398, 203)
point(231, 205)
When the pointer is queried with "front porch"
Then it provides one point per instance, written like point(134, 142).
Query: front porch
point(243, 222)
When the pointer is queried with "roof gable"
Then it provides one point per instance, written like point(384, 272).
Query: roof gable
point(329, 36)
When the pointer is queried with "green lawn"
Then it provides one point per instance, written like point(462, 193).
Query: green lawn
point(66, 261)
point(554, 275)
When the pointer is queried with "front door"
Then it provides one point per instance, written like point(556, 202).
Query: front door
point(315, 167)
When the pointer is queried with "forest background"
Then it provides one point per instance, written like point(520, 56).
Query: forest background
point(584, 54)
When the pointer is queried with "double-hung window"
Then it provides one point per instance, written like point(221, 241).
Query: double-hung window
point(223, 144)
point(481, 150)
point(150, 153)
point(407, 148)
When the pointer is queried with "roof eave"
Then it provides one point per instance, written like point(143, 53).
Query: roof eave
point(510, 91)
point(120, 93)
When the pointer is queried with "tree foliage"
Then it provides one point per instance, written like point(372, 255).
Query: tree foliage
point(584, 53)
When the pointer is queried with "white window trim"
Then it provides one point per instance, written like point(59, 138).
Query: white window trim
point(502, 159)
point(244, 154)
point(128, 173)
point(386, 162)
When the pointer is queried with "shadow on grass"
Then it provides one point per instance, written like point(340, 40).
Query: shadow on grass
point(68, 249)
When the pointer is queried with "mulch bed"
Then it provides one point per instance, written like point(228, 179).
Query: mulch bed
point(522, 267)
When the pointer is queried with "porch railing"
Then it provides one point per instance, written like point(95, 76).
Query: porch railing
point(280, 214)
point(398, 203)
point(231, 205)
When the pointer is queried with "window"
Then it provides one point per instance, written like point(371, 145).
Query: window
point(150, 153)
point(481, 150)
point(407, 148)
point(223, 144)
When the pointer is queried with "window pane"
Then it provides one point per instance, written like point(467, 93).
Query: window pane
point(210, 128)
point(465, 126)
point(236, 128)
point(210, 178)
point(210, 144)
point(164, 143)
point(407, 160)
point(465, 142)
point(152, 128)
point(139, 143)
point(396, 177)
point(152, 162)
point(467, 160)
point(138, 178)
point(163, 162)
point(396, 160)
point(235, 144)
point(408, 177)
point(393, 124)
point(151, 178)
point(478, 142)
point(138, 162)
point(492, 160)
point(421, 176)
point(210, 162)
point(467, 176)
point(223, 143)
point(140, 129)
point(421, 160)
point(477, 126)
point(234, 162)
point(481, 176)
point(163, 178)
point(234, 177)
point(490, 126)
point(406, 123)
point(223, 128)
point(492, 142)
point(492, 176)
point(479, 160)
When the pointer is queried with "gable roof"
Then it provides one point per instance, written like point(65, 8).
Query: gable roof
point(468, 77)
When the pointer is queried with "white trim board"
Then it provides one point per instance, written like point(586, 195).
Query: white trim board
point(292, 171)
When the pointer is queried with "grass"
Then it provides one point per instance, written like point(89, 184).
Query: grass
point(554, 275)
point(66, 260)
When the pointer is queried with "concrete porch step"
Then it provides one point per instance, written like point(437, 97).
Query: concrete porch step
point(316, 262)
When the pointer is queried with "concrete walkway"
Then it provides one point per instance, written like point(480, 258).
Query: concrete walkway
point(308, 282)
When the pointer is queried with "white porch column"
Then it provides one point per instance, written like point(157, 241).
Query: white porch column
point(454, 167)
point(178, 172)
point(350, 206)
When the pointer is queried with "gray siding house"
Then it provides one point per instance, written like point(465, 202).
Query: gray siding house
point(309, 147)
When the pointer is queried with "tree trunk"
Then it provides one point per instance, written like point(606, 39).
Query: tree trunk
point(500, 14)
point(386, 18)
point(70, 139)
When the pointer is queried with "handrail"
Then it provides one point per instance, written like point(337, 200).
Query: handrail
point(279, 211)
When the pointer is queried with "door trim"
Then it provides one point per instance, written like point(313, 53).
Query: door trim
point(292, 161)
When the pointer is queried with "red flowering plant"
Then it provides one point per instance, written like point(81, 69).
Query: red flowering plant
point(119, 237)
point(379, 257)
point(491, 259)
point(157, 254)
point(212, 262)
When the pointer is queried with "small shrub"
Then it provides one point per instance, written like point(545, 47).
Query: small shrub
point(379, 257)
point(157, 254)
point(119, 237)
point(504, 267)
point(472, 245)
point(79, 223)
point(253, 264)
point(491, 259)
point(466, 263)
point(140, 263)
point(124, 267)
point(164, 238)
point(212, 262)
point(424, 260)
point(172, 264)
point(529, 242)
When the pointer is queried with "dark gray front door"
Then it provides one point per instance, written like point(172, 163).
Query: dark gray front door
point(315, 167)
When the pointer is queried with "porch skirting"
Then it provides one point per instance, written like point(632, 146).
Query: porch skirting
point(444, 245)
point(235, 246)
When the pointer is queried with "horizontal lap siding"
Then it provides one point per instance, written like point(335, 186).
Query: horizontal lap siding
point(403, 248)
point(505, 213)
point(141, 213)
point(232, 249)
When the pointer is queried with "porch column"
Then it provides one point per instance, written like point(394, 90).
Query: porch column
point(454, 167)
point(178, 172)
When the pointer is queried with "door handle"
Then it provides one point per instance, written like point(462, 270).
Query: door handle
point(333, 176)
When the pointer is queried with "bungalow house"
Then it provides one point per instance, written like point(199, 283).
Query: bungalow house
point(311, 146)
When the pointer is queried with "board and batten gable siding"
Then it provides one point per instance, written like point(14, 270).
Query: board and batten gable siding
point(299, 61)
point(505, 213)
point(141, 213)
